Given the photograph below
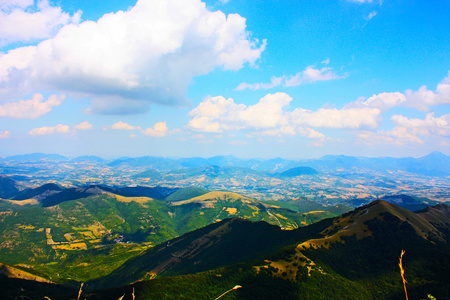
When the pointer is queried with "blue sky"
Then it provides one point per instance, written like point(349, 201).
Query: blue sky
point(264, 79)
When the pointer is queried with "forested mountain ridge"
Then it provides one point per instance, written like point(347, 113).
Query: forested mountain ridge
point(355, 255)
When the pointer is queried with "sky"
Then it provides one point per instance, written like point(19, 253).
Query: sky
point(255, 79)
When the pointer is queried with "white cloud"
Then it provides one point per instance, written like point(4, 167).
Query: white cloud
point(83, 126)
point(421, 99)
point(361, 1)
point(397, 136)
point(216, 114)
point(198, 136)
point(10, 4)
point(124, 126)
point(159, 130)
point(424, 98)
point(50, 130)
point(32, 108)
point(15, 62)
point(5, 134)
point(429, 125)
point(309, 75)
point(409, 131)
point(17, 24)
point(205, 141)
point(382, 101)
point(352, 118)
point(238, 143)
point(148, 54)
point(371, 15)
point(270, 117)
point(274, 82)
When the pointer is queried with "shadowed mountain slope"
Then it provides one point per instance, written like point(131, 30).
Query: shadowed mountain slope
point(354, 257)
point(38, 193)
point(8, 187)
point(224, 243)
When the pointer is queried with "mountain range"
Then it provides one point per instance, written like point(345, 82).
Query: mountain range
point(434, 164)
point(352, 256)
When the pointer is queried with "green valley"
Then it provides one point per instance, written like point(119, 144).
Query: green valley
point(91, 236)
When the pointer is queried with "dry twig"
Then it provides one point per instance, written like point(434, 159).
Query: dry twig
point(402, 272)
point(79, 292)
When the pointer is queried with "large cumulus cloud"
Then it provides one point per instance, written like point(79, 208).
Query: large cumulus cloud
point(271, 116)
point(129, 59)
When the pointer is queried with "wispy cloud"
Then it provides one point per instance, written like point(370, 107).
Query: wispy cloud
point(360, 1)
point(371, 15)
point(397, 136)
point(5, 134)
point(239, 143)
point(310, 75)
point(274, 82)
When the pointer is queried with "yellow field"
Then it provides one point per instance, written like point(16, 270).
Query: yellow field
point(78, 246)
point(69, 237)
point(314, 212)
point(87, 234)
point(62, 247)
point(231, 210)
point(23, 202)
point(133, 199)
point(97, 229)
point(72, 246)
point(280, 216)
point(26, 227)
point(95, 241)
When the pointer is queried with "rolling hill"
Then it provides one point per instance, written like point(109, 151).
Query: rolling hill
point(88, 231)
point(298, 171)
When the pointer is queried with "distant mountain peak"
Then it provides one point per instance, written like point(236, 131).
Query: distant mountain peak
point(435, 155)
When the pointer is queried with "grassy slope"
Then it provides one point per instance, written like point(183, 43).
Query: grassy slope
point(186, 193)
point(93, 223)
